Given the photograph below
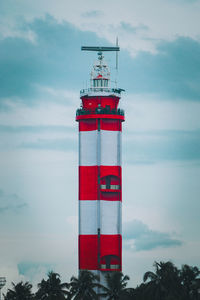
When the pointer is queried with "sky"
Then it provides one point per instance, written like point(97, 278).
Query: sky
point(42, 71)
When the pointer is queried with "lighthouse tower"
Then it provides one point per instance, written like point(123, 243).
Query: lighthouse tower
point(100, 184)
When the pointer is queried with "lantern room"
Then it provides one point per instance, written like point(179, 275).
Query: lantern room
point(100, 74)
point(100, 82)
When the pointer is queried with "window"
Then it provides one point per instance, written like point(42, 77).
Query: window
point(110, 262)
point(110, 182)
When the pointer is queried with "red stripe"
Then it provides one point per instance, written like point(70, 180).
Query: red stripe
point(91, 103)
point(88, 252)
point(110, 246)
point(88, 183)
point(113, 125)
point(110, 170)
point(111, 196)
point(105, 124)
point(104, 171)
point(111, 101)
point(100, 116)
point(87, 125)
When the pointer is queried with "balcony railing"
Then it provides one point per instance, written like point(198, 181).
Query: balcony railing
point(100, 89)
point(100, 110)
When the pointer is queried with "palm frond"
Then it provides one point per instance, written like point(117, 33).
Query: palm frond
point(149, 275)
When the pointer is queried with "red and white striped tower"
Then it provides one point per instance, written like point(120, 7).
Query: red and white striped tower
point(100, 185)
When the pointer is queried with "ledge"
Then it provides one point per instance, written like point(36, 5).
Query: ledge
point(100, 116)
point(110, 190)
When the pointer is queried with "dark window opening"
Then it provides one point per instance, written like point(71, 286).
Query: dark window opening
point(110, 262)
point(110, 182)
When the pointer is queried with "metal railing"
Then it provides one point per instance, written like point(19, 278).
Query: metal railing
point(101, 89)
point(100, 110)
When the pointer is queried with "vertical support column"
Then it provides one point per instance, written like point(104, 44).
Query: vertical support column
point(98, 192)
point(110, 196)
point(88, 195)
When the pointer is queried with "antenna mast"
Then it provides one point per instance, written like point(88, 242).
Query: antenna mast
point(117, 54)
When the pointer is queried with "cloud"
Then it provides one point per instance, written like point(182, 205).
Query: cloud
point(92, 14)
point(34, 129)
point(162, 145)
point(139, 147)
point(51, 144)
point(38, 138)
point(53, 60)
point(127, 27)
point(172, 72)
point(140, 237)
point(86, 16)
point(32, 269)
point(11, 203)
point(181, 2)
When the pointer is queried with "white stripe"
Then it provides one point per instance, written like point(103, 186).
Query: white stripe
point(110, 148)
point(88, 217)
point(88, 148)
point(110, 217)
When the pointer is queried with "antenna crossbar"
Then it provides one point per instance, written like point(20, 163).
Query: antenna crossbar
point(99, 49)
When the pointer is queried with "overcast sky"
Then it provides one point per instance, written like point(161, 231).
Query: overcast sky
point(41, 73)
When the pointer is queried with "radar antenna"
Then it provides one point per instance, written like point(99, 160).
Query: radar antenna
point(99, 50)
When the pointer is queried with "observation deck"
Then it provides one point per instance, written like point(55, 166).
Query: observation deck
point(100, 112)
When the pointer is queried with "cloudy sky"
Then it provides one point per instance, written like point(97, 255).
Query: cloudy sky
point(41, 73)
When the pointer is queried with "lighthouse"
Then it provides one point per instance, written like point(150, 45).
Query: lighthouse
point(100, 172)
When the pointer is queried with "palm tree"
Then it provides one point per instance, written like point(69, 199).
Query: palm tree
point(52, 288)
point(154, 287)
point(129, 294)
point(20, 291)
point(116, 286)
point(83, 287)
point(164, 283)
point(139, 292)
point(189, 278)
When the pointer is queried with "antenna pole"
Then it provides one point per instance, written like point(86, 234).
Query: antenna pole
point(117, 53)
